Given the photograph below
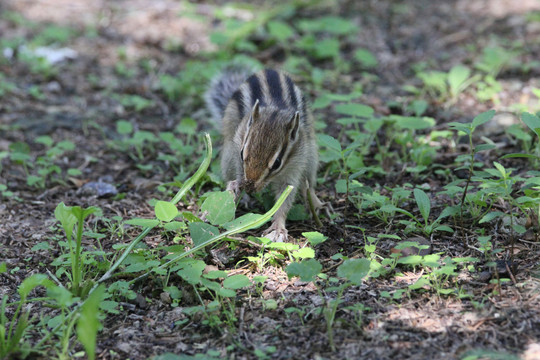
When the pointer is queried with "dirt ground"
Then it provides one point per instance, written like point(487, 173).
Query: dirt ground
point(423, 326)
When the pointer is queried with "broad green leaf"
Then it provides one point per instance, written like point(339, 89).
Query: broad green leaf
point(220, 207)
point(216, 274)
point(352, 109)
point(32, 282)
point(3, 267)
point(174, 225)
point(66, 217)
point(490, 216)
point(457, 76)
point(280, 30)
point(483, 118)
point(365, 57)
point(146, 223)
point(532, 121)
point(304, 253)
point(284, 246)
point(226, 292)
point(201, 232)
point(413, 122)
point(354, 270)
point(165, 211)
point(314, 237)
point(307, 270)
point(236, 282)
point(45, 140)
point(187, 126)
point(124, 127)
point(88, 321)
point(330, 142)
point(327, 48)
point(192, 271)
point(423, 202)
point(410, 260)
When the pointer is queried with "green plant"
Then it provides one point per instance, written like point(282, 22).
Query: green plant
point(447, 87)
point(469, 160)
point(69, 217)
point(12, 331)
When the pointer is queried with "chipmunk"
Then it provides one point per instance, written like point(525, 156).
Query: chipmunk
point(268, 138)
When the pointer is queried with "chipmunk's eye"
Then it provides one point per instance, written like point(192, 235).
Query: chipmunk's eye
point(242, 154)
point(276, 164)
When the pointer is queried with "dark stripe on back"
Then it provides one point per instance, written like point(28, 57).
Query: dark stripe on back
point(292, 93)
point(256, 90)
point(237, 96)
point(274, 87)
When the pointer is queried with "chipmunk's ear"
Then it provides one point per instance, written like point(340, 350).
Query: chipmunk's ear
point(254, 113)
point(294, 126)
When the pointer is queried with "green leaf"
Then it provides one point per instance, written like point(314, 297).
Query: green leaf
point(532, 121)
point(365, 57)
point(304, 253)
point(146, 223)
point(314, 237)
point(3, 267)
point(410, 260)
point(354, 270)
point(216, 274)
point(165, 211)
point(226, 292)
point(351, 109)
point(236, 282)
point(66, 217)
point(32, 282)
point(482, 118)
point(192, 270)
point(490, 216)
point(528, 156)
point(88, 321)
point(45, 140)
point(201, 232)
point(413, 122)
point(457, 76)
point(220, 207)
point(124, 127)
point(187, 126)
point(307, 270)
point(280, 30)
point(484, 147)
point(327, 48)
point(424, 205)
point(330, 142)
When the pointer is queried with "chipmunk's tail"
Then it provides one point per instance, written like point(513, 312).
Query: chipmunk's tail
point(222, 88)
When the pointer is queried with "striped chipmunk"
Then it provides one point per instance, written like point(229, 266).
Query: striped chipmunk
point(268, 138)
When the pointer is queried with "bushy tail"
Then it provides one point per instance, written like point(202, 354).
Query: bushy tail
point(222, 89)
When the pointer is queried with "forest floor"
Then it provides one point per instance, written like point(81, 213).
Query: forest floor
point(147, 63)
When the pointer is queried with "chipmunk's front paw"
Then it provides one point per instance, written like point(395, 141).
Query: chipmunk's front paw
point(276, 234)
point(234, 187)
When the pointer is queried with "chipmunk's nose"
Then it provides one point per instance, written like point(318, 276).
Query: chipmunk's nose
point(249, 186)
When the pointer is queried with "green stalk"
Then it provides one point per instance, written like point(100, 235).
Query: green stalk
point(202, 169)
point(254, 224)
point(76, 270)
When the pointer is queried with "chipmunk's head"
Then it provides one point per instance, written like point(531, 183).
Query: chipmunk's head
point(271, 134)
